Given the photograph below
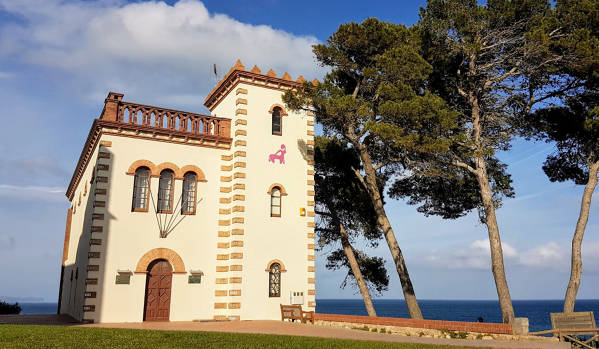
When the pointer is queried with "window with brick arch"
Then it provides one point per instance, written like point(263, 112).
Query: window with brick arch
point(165, 191)
point(275, 202)
point(274, 280)
point(277, 126)
point(141, 185)
point(188, 197)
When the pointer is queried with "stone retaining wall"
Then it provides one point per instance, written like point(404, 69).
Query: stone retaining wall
point(427, 332)
point(479, 327)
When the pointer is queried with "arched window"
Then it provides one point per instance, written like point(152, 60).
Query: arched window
point(274, 280)
point(165, 191)
point(275, 202)
point(277, 126)
point(188, 197)
point(141, 185)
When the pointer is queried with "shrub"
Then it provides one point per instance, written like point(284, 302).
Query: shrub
point(6, 308)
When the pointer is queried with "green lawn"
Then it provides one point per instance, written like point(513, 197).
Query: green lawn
point(20, 336)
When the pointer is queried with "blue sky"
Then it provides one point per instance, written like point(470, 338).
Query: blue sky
point(58, 59)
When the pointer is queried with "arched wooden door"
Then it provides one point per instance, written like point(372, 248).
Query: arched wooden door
point(158, 291)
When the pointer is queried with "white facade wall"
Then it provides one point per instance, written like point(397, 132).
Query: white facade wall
point(272, 238)
point(131, 234)
point(73, 284)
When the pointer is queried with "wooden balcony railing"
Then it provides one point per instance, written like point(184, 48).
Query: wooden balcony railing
point(162, 119)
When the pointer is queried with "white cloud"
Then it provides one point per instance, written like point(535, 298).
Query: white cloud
point(151, 50)
point(475, 256)
point(32, 192)
point(550, 255)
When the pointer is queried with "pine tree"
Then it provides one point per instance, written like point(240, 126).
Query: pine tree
point(494, 63)
point(345, 214)
point(375, 101)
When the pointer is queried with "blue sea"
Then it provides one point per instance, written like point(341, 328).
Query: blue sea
point(537, 312)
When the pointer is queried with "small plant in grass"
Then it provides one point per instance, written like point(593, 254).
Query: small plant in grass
point(374, 330)
point(454, 334)
point(479, 336)
point(6, 308)
point(383, 330)
point(420, 334)
point(363, 328)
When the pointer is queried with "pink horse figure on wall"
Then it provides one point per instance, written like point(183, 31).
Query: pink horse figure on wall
point(279, 154)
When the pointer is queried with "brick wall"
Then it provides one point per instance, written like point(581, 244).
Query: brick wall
point(430, 324)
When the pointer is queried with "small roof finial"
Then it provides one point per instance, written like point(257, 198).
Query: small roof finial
point(271, 73)
point(301, 79)
point(256, 70)
point(287, 77)
point(238, 65)
point(315, 82)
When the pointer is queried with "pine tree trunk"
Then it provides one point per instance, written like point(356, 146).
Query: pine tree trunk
point(503, 291)
point(355, 268)
point(583, 217)
point(400, 264)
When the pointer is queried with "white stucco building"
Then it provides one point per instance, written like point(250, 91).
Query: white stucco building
point(180, 216)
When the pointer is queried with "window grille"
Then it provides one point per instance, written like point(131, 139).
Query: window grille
point(275, 202)
point(277, 128)
point(165, 192)
point(140, 189)
point(188, 201)
point(274, 280)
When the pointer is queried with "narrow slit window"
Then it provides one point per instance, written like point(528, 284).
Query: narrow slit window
point(275, 202)
point(274, 280)
point(277, 127)
point(165, 192)
point(188, 198)
point(140, 189)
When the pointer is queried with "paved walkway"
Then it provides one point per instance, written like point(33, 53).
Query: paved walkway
point(285, 328)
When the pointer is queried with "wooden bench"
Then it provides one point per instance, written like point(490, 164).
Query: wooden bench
point(295, 312)
point(567, 326)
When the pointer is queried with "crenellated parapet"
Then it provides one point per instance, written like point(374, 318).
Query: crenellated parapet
point(238, 74)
